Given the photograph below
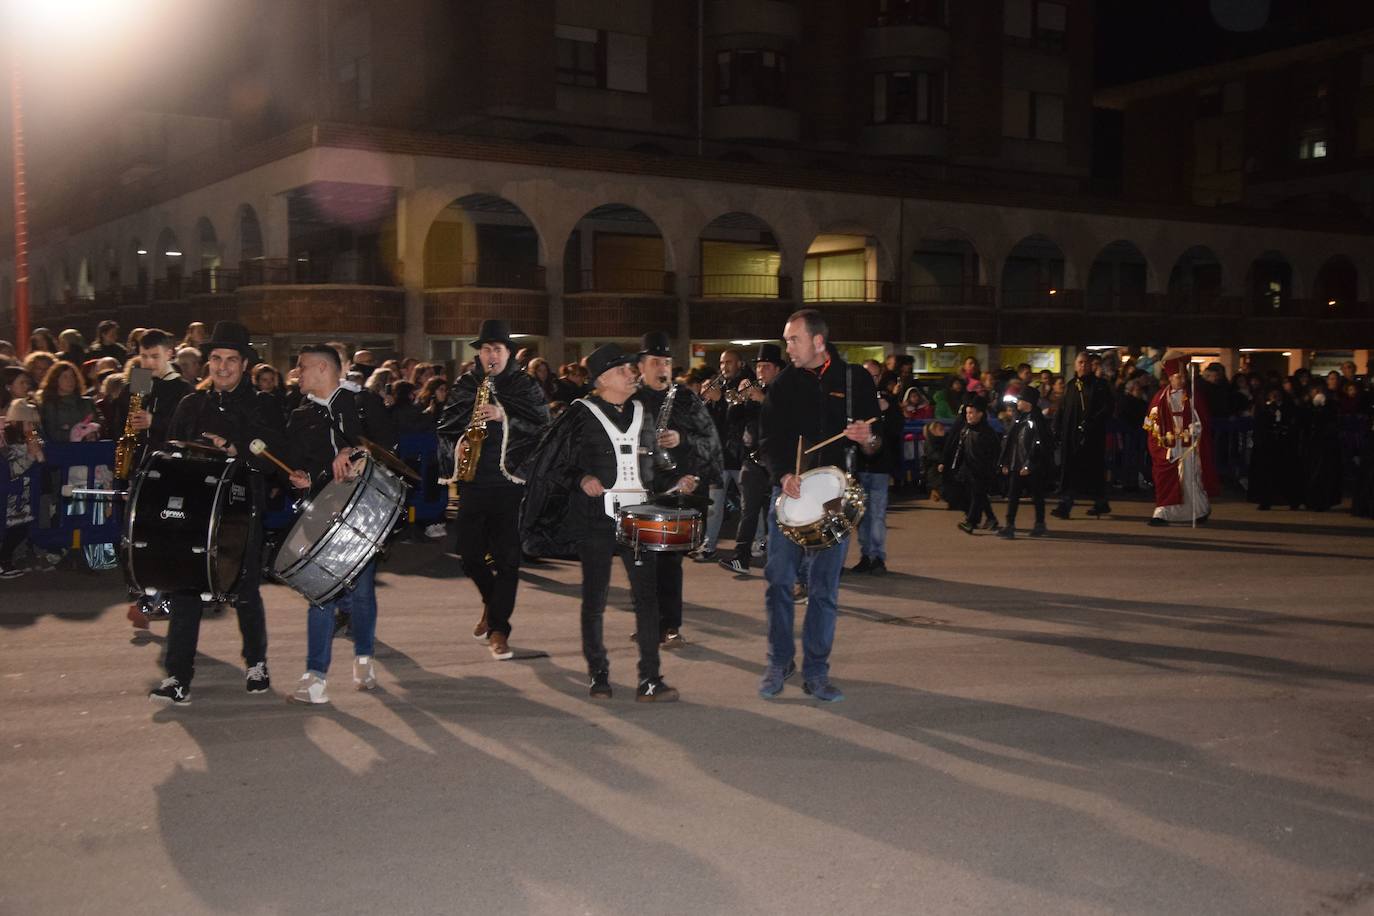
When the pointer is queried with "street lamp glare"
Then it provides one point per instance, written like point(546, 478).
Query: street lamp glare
point(55, 14)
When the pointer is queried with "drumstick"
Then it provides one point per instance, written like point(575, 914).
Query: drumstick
point(799, 454)
point(258, 447)
point(834, 438)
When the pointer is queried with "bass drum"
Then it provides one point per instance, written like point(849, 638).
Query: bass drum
point(188, 524)
point(339, 531)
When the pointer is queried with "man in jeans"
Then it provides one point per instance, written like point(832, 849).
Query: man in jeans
point(817, 398)
point(875, 475)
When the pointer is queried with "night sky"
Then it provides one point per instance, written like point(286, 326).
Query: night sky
point(1138, 39)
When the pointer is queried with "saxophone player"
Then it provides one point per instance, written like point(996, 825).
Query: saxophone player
point(689, 447)
point(510, 421)
point(156, 350)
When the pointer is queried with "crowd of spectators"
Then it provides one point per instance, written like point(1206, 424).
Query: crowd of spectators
point(1299, 440)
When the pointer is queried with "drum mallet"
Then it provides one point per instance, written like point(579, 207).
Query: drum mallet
point(258, 447)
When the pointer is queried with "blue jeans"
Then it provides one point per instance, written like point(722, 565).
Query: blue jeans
point(873, 526)
point(786, 562)
point(360, 604)
point(716, 517)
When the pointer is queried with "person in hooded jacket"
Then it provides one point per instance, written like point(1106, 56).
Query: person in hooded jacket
point(1026, 461)
point(975, 462)
point(489, 504)
point(1275, 475)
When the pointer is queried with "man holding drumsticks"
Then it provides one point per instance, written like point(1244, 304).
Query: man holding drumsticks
point(820, 398)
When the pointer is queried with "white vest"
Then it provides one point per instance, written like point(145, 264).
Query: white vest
point(628, 489)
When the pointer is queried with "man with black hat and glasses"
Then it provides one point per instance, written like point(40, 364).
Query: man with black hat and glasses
point(515, 416)
point(594, 460)
point(229, 414)
point(754, 483)
point(691, 445)
point(818, 398)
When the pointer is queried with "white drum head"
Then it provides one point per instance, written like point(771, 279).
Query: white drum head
point(818, 487)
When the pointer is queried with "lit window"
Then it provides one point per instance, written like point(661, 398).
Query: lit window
point(1312, 146)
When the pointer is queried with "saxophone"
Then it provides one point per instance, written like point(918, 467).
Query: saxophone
point(127, 446)
point(663, 459)
point(475, 434)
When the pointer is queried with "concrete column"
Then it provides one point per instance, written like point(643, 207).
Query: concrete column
point(682, 334)
point(410, 251)
point(1230, 359)
point(275, 223)
point(1361, 358)
point(1297, 359)
point(555, 345)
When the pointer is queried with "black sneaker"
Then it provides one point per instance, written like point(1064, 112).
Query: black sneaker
point(655, 690)
point(1157, 522)
point(734, 565)
point(258, 679)
point(1039, 531)
point(12, 572)
point(992, 524)
point(1100, 510)
point(672, 639)
point(877, 568)
point(171, 692)
point(859, 568)
point(600, 688)
point(162, 610)
point(1008, 533)
point(965, 527)
point(1060, 512)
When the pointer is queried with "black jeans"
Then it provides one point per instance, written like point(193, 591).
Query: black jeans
point(1085, 476)
point(183, 630)
point(596, 551)
point(489, 523)
point(13, 538)
point(754, 490)
point(1034, 485)
point(666, 586)
point(978, 502)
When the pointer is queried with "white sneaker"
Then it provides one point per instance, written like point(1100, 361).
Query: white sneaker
point(310, 691)
point(364, 678)
point(437, 530)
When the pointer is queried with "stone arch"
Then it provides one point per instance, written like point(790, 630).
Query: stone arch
point(85, 285)
point(616, 248)
point(1196, 281)
point(251, 246)
point(1033, 273)
point(847, 262)
point(945, 267)
point(738, 257)
point(1118, 278)
point(209, 254)
point(169, 259)
point(1336, 287)
point(140, 264)
point(483, 240)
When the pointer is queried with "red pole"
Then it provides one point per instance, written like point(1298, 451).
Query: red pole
point(21, 216)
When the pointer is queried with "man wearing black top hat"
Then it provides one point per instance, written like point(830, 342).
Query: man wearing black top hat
point(595, 459)
point(690, 441)
point(489, 504)
point(754, 482)
point(229, 414)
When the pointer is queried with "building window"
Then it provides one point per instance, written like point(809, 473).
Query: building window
point(354, 82)
point(581, 56)
point(1036, 23)
point(910, 12)
point(1312, 146)
point(909, 98)
point(1033, 115)
point(751, 77)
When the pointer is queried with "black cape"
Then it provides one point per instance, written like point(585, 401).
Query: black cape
point(527, 417)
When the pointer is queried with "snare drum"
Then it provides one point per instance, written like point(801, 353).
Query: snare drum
point(341, 529)
point(188, 523)
point(827, 512)
point(659, 528)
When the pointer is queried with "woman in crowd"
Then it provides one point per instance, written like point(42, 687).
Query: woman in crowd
point(406, 415)
point(43, 339)
point(949, 400)
point(64, 409)
point(196, 334)
point(433, 396)
point(71, 346)
point(21, 449)
point(539, 370)
point(379, 383)
point(107, 403)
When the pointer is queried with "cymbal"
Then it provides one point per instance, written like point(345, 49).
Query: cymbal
point(389, 459)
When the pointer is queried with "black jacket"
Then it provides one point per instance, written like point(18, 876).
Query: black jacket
point(240, 416)
point(801, 403)
point(556, 515)
point(975, 454)
point(1027, 445)
point(162, 403)
point(508, 444)
point(317, 433)
point(888, 458)
point(699, 452)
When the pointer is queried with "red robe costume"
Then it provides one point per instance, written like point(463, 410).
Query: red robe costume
point(1168, 428)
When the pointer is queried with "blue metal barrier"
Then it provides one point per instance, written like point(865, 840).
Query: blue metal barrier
point(74, 521)
point(428, 498)
point(913, 437)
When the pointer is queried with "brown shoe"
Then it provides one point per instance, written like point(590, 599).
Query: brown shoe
point(137, 617)
point(672, 639)
point(483, 629)
point(500, 649)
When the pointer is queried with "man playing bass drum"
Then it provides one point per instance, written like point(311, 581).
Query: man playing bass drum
point(692, 445)
point(512, 418)
point(817, 397)
point(324, 431)
point(229, 414)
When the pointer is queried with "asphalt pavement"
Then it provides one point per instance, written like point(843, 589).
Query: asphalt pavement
point(1117, 719)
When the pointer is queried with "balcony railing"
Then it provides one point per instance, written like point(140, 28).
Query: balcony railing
point(1046, 299)
point(487, 274)
point(848, 291)
point(621, 280)
point(963, 296)
point(742, 286)
point(170, 289)
point(305, 271)
point(1129, 302)
point(214, 281)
